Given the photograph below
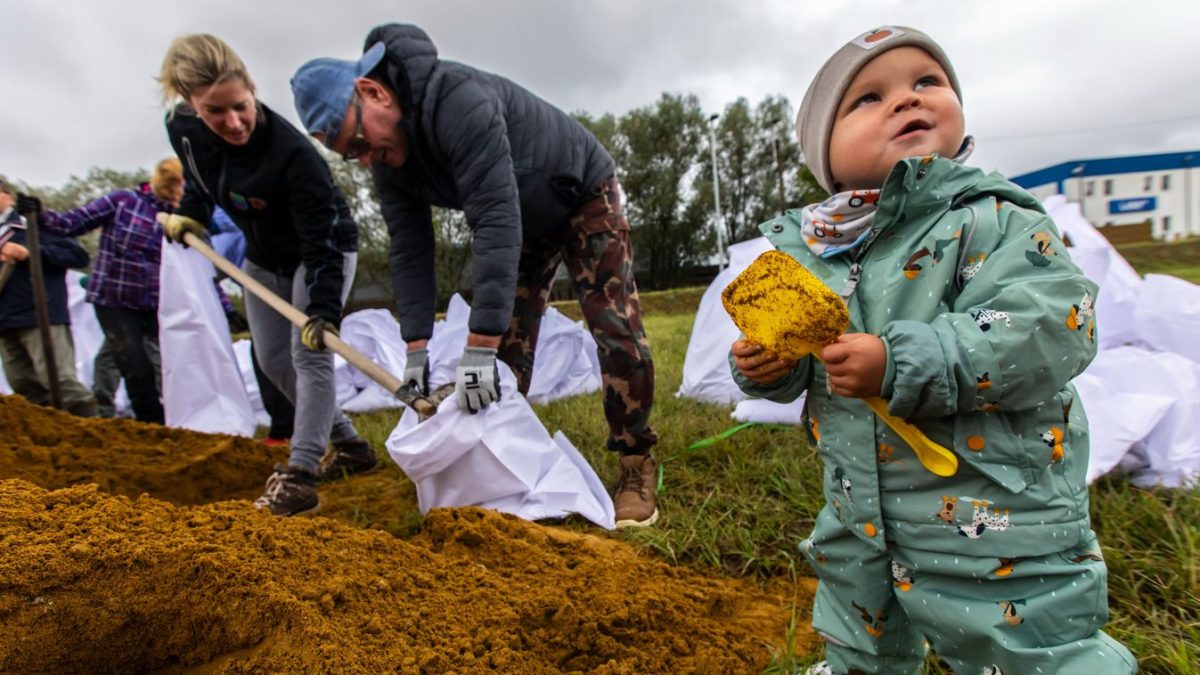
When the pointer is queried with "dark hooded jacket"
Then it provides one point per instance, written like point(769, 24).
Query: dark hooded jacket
point(279, 191)
point(514, 164)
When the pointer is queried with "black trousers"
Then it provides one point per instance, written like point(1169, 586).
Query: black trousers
point(281, 410)
point(126, 331)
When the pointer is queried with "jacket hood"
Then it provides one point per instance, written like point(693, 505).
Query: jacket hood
point(924, 183)
point(411, 57)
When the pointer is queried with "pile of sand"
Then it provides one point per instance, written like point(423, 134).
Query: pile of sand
point(124, 457)
point(95, 582)
point(103, 576)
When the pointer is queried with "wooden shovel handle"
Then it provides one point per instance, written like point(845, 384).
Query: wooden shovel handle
point(334, 343)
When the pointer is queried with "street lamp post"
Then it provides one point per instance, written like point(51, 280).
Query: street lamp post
point(712, 146)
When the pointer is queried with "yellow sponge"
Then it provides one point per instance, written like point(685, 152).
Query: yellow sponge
point(783, 307)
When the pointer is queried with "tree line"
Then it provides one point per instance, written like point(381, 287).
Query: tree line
point(664, 154)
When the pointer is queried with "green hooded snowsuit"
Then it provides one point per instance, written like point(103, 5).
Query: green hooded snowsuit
point(985, 320)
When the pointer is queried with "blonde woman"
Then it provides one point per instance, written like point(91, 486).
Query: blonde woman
point(301, 243)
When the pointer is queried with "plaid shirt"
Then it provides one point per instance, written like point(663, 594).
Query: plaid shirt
point(125, 272)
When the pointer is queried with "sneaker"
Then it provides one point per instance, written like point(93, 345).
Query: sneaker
point(275, 442)
point(290, 492)
point(822, 668)
point(634, 497)
point(347, 458)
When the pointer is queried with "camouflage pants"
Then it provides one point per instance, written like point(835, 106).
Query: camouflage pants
point(599, 256)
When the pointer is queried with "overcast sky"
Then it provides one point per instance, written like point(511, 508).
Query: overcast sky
point(1043, 82)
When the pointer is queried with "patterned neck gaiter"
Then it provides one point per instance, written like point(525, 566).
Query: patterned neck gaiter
point(844, 220)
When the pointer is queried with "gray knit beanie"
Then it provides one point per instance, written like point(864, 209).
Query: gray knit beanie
point(814, 122)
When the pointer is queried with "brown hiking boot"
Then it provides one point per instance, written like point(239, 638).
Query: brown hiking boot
point(290, 492)
point(634, 497)
point(347, 458)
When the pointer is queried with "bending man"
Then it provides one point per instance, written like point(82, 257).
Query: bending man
point(536, 188)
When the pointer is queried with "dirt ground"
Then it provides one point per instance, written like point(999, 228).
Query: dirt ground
point(125, 457)
point(95, 578)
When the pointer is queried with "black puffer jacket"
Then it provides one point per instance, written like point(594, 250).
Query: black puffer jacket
point(279, 191)
point(514, 164)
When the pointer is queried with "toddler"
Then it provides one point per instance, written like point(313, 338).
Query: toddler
point(968, 316)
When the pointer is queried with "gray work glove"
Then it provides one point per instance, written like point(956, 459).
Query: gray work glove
point(477, 379)
point(416, 369)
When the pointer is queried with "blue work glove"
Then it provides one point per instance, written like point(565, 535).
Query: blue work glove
point(477, 379)
point(416, 369)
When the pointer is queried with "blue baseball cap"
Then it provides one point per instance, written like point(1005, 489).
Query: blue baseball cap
point(322, 89)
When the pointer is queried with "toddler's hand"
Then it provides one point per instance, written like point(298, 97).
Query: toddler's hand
point(757, 363)
point(855, 363)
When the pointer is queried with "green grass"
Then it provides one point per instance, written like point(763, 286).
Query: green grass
point(740, 507)
point(1181, 259)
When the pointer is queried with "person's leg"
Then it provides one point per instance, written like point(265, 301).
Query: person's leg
point(125, 330)
point(154, 353)
point(291, 489)
point(271, 333)
point(106, 377)
point(599, 256)
point(1015, 615)
point(20, 366)
point(535, 273)
point(350, 454)
point(855, 609)
point(77, 399)
point(278, 406)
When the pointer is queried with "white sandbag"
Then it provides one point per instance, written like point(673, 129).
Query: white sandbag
point(1166, 316)
point(1120, 284)
point(706, 375)
point(86, 334)
point(447, 342)
point(376, 334)
point(564, 362)
point(1117, 422)
point(501, 458)
point(769, 412)
point(202, 387)
point(1142, 408)
point(88, 337)
point(241, 351)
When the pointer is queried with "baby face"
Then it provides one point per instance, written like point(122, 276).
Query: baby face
point(900, 105)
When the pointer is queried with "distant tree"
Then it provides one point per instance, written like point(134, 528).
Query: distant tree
point(97, 183)
point(452, 254)
point(758, 165)
point(607, 130)
point(78, 191)
point(451, 236)
point(371, 274)
point(664, 146)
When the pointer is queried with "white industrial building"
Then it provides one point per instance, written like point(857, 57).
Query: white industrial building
point(1145, 196)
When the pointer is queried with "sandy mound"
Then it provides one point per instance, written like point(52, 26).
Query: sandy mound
point(54, 449)
point(91, 582)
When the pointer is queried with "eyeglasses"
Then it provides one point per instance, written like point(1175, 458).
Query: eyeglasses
point(358, 145)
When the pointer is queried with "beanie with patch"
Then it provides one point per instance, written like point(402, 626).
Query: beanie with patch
point(818, 110)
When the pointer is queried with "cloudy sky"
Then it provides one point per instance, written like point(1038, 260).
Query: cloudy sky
point(1043, 82)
